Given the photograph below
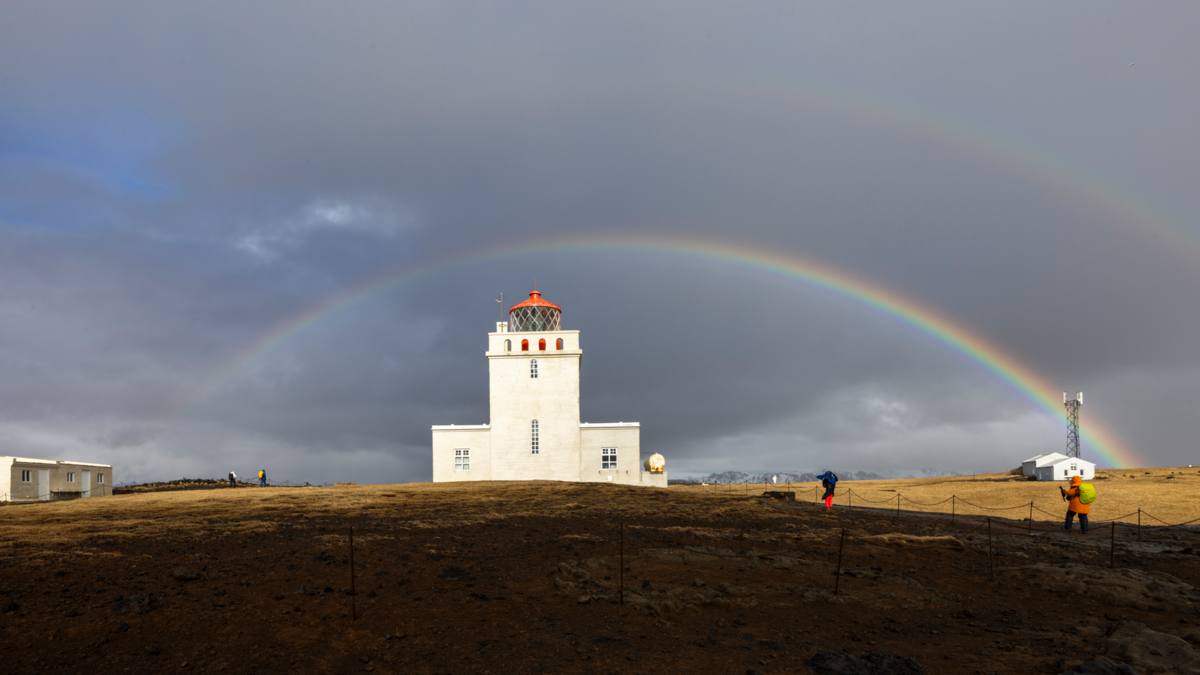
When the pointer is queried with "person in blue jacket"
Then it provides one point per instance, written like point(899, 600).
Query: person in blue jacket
point(829, 481)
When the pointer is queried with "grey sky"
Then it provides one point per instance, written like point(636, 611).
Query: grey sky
point(177, 183)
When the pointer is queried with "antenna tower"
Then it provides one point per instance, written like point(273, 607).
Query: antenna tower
point(1073, 405)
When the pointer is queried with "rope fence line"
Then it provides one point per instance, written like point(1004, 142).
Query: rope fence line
point(926, 504)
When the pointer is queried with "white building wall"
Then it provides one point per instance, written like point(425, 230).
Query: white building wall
point(48, 479)
point(446, 439)
point(625, 437)
point(516, 399)
point(1065, 468)
point(5, 478)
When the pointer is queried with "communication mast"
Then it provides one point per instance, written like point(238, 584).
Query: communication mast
point(1073, 405)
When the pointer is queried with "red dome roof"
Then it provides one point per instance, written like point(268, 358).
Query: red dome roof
point(535, 300)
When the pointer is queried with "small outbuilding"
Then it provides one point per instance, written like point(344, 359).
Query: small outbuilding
point(24, 479)
point(1066, 467)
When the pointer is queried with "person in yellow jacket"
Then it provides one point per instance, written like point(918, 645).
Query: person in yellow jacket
point(1075, 507)
point(262, 478)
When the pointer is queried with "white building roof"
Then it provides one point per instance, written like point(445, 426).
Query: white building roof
point(1031, 459)
point(1068, 460)
point(30, 460)
point(1050, 458)
point(55, 462)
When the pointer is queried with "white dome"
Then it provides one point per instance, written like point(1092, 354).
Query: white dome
point(656, 463)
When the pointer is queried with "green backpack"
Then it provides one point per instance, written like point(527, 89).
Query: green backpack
point(1087, 493)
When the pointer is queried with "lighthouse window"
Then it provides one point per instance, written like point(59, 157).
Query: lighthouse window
point(524, 345)
point(533, 437)
point(508, 345)
point(462, 459)
point(542, 345)
point(533, 369)
point(608, 458)
point(26, 476)
point(558, 344)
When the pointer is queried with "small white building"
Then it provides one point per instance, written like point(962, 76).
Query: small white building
point(23, 479)
point(1063, 469)
point(535, 431)
point(1029, 466)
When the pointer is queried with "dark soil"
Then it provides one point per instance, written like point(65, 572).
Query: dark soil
point(526, 577)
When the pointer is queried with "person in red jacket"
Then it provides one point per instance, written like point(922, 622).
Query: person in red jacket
point(1075, 507)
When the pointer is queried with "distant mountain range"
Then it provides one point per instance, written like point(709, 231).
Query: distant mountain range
point(725, 477)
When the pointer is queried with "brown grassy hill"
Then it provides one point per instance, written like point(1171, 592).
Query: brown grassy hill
point(526, 577)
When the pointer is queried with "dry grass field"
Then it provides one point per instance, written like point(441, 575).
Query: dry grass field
point(1170, 494)
point(527, 577)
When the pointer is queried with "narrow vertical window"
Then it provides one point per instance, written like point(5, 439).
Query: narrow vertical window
point(534, 445)
point(70, 476)
point(524, 345)
point(508, 345)
point(462, 459)
point(558, 344)
point(608, 458)
point(533, 375)
point(100, 479)
point(542, 345)
point(26, 476)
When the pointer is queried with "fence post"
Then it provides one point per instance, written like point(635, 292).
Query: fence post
point(1112, 544)
point(621, 560)
point(850, 494)
point(991, 566)
point(897, 506)
point(1030, 516)
point(353, 590)
point(1139, 530)
point(837, 574)
point(814, 494)
point(953, 499)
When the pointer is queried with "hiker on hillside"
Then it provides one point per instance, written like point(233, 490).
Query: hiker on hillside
point(232, 479)
point(1080, 495)
point(829, 481)
point(262, 478)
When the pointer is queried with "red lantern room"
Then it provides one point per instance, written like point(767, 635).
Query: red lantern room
point(534, 314)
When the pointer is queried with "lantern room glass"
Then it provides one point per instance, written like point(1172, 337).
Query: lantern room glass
point(534, 318)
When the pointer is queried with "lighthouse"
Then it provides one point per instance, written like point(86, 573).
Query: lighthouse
point(535, 432)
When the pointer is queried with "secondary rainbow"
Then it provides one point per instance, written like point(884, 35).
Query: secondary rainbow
point(838, 282)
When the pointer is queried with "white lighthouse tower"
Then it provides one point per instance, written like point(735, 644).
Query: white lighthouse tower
point(535, 431)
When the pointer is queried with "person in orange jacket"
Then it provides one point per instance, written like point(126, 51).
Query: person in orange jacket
point(1075, 507)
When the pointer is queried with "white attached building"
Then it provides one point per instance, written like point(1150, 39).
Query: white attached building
point(1029, 466)
point(23, 479)
point(535, 431)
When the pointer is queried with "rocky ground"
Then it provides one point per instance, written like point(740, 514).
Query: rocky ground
point(525, 577)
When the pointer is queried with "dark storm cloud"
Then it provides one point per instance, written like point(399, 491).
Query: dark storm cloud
point(176, 183)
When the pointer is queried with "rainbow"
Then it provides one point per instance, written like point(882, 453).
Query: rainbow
point(1072, 183)
point(820, 275)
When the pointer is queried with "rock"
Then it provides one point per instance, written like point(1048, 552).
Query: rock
point(1101, 666)
point(185, 574)
point(1150, 651)
point(842, 663)
point(139, 603)
point(453, 573)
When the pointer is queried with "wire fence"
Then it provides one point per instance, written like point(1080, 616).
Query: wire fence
point(617, 545)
